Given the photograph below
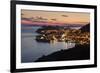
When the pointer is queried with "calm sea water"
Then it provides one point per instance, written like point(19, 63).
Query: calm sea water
point(31, 50)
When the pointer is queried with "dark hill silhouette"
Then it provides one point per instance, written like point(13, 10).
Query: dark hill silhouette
point(86, 28)
point(79, 52)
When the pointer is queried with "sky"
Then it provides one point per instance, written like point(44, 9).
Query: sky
point(53, 17)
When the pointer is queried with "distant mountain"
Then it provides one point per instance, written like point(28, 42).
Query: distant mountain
point(73, 25)
point(86, 28)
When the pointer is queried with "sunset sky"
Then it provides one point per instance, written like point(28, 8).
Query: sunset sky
point(53, 17)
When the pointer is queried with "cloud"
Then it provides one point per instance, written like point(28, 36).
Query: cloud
point(27, 19)
point(53, 19)
point(22, 14)
point(37, 19)
point(26, 22)
point(64, 15)
point(40, 18)
point(32, 21)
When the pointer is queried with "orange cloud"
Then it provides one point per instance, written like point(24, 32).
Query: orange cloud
point(26, 22)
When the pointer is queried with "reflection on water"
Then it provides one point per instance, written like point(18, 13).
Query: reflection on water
point(31, 50)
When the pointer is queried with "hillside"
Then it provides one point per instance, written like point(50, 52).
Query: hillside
point(80, 52)
point(86, 28)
